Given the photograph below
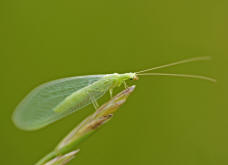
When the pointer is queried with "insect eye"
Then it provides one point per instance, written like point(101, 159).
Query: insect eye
point(135, 78)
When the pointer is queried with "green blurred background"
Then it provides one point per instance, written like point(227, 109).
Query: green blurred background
point(166, 121)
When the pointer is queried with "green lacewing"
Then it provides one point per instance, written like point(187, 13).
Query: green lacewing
point(56, 99)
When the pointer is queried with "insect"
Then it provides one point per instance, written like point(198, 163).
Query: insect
point(56, 99)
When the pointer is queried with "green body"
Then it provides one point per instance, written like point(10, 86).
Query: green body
point(85, 95)
point(59, 98)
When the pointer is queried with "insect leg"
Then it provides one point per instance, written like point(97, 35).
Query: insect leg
point(110, 92)
point(93, 101)
point(125, 85)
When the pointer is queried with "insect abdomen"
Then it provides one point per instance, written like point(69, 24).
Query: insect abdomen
point(82, 97)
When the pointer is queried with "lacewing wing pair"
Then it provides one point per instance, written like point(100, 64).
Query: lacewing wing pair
point(56, 99)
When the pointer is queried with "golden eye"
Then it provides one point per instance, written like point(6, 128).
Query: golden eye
point(135, 78)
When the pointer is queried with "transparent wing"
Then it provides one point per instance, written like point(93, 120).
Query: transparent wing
point(36, 110)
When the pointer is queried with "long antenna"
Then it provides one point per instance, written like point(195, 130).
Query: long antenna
point(179, 75)
point(177, 63)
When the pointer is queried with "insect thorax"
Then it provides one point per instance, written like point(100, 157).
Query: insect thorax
point(118, 79)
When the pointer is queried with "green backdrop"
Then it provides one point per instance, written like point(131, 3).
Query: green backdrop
point(166, 121)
